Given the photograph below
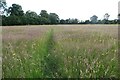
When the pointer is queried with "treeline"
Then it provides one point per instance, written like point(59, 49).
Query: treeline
point(14, 15)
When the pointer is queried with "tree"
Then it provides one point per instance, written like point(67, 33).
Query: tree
point(87, 22)
point(100, 22)
point(67, 21)
point(32, 17)
point(119, 18)
point(15, 16)
point(106, 16)
point(13, 20)
point(3, 6)
point(74, 21)
point(44, 17)
point(3, 9)
point(62, 21)
point(44, 14)
point(54, 18)
point(31, 14)
point(44, 20)
point(93, 19)
point(15, 10)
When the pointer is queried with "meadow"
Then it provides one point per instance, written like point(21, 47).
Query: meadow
point(60, 51)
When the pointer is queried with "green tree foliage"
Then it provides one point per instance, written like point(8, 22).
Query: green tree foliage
point(119, 18)
point(74, 21)
point(31, 17)
point(44, 20)
point(93, 19)
point(2, 7)
point(69, 21)
point(62, 21)
point(54, 18)
point(44, 14)
point(2, 4)
point(87, 22)
point(15, 10)
point(31, 14)
point(16, 16)
point(13, 20)
point(106, 17)
point(2, 10)
point(44, 17)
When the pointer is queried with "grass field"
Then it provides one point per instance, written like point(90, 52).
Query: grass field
point(60, 51)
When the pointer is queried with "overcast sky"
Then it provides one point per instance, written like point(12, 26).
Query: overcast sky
point(81, 9)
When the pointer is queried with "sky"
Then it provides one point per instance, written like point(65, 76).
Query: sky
point(80, 9)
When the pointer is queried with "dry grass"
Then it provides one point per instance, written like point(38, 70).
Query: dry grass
point(23, 32)
point(65, 51)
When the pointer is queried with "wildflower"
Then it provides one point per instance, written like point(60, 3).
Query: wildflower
point(115, 51)
point(66, 70)
point(112, 59)
point(13, 54)
point(74, 57)
point(48, 55)
point(25, 45)
point(69, 76)
point(81, 71)
point(77, 63)
point(100, 40)
point(106, 52)
point(103, 54)
point(76, 69)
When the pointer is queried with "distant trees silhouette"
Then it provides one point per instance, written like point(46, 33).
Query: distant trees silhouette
point(14, 15)
point(94, 19)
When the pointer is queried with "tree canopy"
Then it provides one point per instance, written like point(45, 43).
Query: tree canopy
point(15, 10)
point(3, 6)
point(16, 16)
point(94, 19)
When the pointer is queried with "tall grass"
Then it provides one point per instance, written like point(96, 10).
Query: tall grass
point(27, 59)
point(88, 55)
point(62, 54)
